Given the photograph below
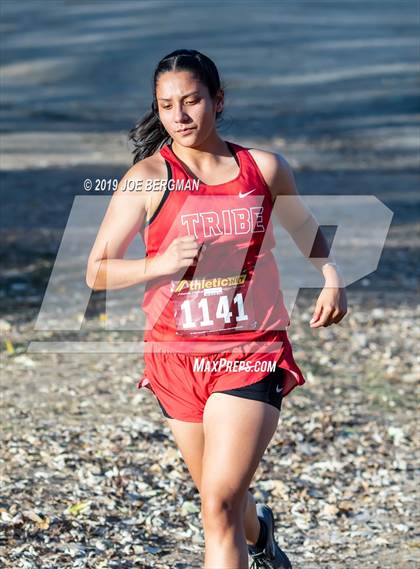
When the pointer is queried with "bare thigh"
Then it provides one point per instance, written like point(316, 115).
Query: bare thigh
point(237, 432)
point(189, 438)
point(252, 422)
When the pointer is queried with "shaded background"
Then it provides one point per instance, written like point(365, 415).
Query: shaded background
point(334, 87)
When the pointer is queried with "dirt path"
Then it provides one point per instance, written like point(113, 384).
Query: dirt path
point(90, 476)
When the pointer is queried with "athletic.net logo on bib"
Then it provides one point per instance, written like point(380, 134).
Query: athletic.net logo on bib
point(213, 305)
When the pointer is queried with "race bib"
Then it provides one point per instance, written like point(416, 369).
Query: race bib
point(213, 305)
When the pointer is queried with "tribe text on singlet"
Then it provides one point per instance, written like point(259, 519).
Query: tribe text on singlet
point(236, 221)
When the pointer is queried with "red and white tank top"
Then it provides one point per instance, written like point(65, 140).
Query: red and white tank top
point(233, 296)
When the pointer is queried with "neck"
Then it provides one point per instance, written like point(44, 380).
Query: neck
point(206, 153)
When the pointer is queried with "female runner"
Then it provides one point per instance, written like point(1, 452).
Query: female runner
point(217, 356)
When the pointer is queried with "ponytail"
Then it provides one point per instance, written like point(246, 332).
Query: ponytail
point(149, 134)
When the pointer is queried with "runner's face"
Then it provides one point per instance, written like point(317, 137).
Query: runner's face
point(184, 102)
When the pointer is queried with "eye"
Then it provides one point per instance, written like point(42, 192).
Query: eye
point(191, 102)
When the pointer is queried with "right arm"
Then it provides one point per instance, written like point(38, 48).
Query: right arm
point(126, 213)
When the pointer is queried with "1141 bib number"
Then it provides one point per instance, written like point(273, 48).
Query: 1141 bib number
point(214, 310)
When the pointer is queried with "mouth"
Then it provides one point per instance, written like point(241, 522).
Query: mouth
point(185, 130)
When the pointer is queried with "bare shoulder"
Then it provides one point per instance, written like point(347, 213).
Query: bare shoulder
point(133, 190)
point(152, 168)
point(275, 170)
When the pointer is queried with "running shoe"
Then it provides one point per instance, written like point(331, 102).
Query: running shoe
point(271, 557)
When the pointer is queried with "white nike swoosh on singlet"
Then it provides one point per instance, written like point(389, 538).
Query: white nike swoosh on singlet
point(278, 388)
point(241, 195)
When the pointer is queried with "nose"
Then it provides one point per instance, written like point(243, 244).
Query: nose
point(179, 114)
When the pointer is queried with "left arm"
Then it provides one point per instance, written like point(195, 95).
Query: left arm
point(297, 219)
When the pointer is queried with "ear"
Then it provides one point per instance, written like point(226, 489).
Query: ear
point(220, 97)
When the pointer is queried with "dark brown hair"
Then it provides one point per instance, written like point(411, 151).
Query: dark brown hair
point(148, 134)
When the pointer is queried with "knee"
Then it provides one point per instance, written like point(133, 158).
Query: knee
point(222, 507)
